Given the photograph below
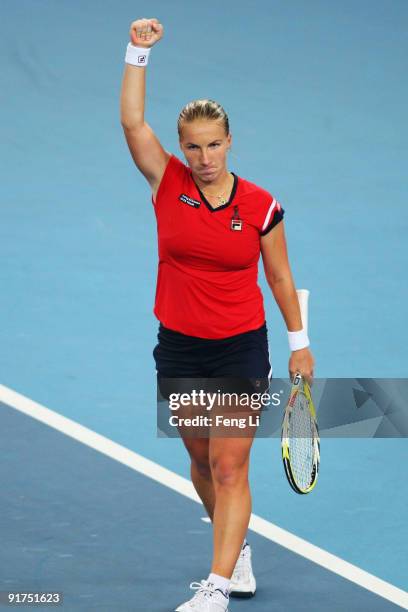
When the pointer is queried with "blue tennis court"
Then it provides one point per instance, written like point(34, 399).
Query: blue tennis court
point(94, 504)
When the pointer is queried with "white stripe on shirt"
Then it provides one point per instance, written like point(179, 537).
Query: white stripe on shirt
point(269, 213)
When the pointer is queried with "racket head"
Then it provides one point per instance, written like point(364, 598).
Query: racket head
point(300, 440)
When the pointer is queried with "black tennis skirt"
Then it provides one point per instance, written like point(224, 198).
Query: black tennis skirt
point(237, 364)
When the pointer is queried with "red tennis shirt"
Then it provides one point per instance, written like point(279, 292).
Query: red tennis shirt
point(207, 283)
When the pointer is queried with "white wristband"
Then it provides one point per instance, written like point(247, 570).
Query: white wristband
point(298, 340)
point(137, 56)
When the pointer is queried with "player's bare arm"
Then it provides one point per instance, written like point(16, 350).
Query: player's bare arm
point(145, 148)
point(280, 280)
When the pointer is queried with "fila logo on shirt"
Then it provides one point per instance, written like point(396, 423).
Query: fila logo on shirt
point(236, 221)
point(190, 201)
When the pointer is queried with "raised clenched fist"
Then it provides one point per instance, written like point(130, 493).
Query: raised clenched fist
point(146, 32)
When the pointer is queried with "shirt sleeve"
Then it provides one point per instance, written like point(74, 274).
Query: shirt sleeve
point(274, 215)
point(174, 171)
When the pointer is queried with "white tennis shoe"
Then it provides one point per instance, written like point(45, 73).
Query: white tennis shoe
point(207, 599)
point(243, 583)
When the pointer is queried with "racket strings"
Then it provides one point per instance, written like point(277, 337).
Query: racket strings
point(301, 435)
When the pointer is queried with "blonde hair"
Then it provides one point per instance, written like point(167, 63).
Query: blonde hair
point(203, 109)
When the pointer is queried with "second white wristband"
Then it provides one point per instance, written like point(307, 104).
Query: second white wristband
point(298, 340)
point(137, 56)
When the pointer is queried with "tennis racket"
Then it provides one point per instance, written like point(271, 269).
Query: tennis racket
point(300, 434)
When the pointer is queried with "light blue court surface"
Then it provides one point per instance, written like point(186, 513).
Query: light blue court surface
point(316, 94)
point(110, 539)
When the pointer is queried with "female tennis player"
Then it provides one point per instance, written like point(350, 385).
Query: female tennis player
point(212, 228)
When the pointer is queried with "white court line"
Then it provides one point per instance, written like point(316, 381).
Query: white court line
point(184, 487)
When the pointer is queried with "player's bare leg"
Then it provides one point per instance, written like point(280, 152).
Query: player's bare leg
point(229, 461)
point(198, 449)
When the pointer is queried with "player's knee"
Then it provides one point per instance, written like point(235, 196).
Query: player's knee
point(198, 451)
point(202, 466)
point(228, 472)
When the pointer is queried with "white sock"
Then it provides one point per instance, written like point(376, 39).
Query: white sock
point(244, 544)
point(220, 582)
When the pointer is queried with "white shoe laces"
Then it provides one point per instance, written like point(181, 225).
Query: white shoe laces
point(204, 593)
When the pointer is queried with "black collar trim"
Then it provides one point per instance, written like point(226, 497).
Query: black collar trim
point(232, 196)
